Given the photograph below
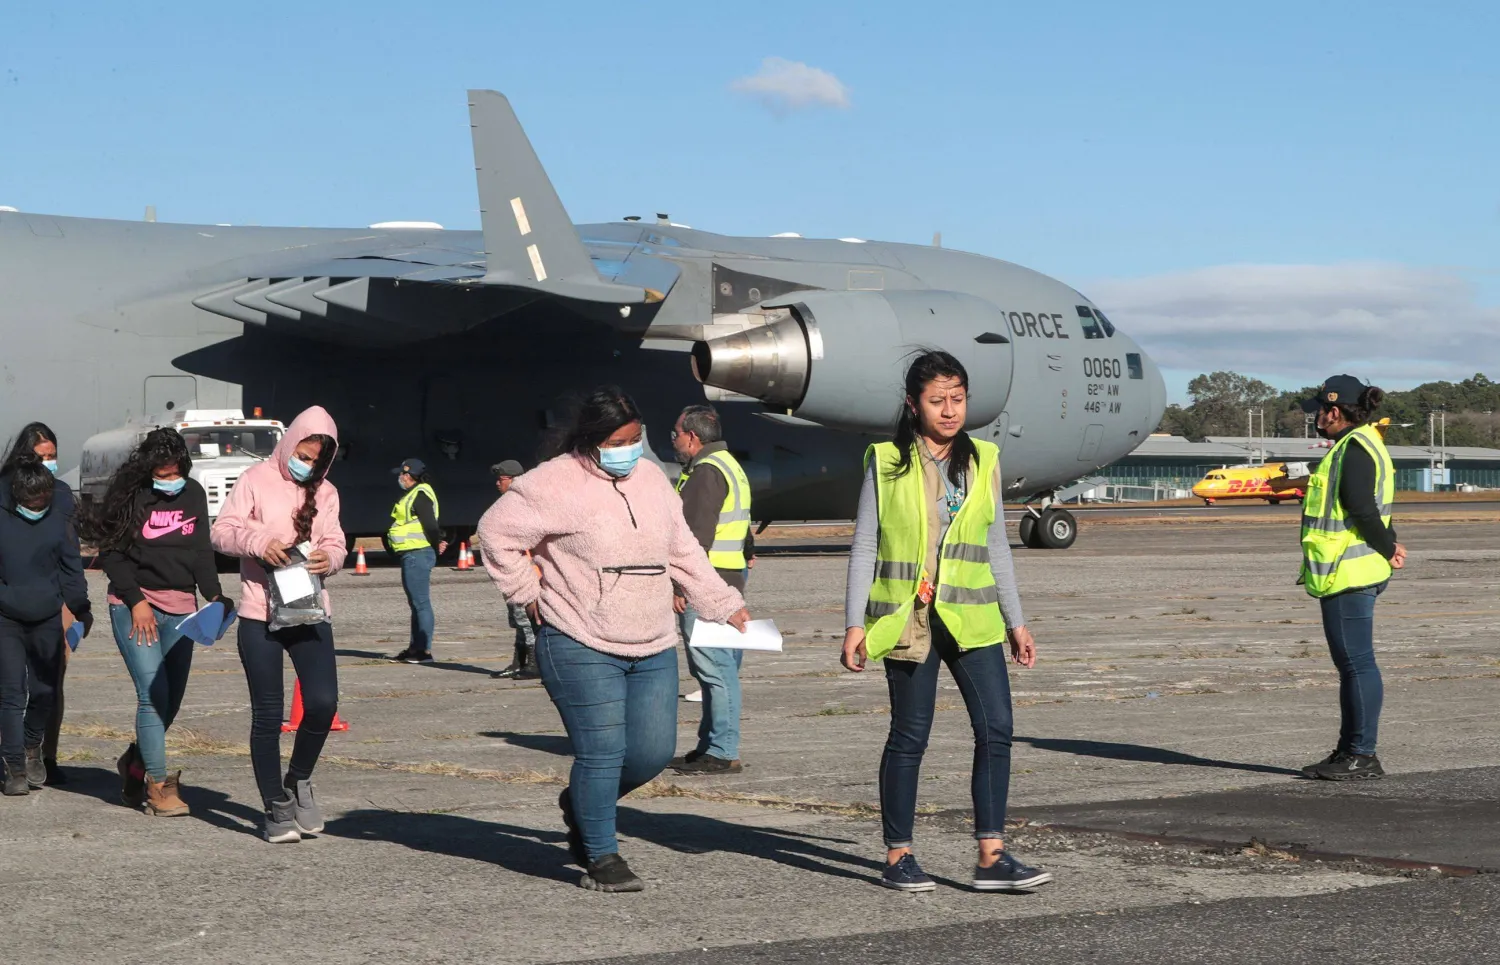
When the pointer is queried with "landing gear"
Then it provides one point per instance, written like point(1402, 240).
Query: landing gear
point(1049, 529)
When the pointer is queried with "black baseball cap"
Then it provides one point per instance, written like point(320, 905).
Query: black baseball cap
point(1338, 390)
point(414, 466)
point(509, 467)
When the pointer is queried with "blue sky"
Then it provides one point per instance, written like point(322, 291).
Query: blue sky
point(1252, 186)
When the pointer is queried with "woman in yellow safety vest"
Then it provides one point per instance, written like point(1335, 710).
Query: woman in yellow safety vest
point(1349, 550)
point(931, 580)
point(417, 542)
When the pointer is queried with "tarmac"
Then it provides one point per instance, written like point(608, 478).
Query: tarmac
point(1181, 682)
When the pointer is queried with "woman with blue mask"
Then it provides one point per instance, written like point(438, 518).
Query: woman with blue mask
point(38, 440)
point(40, 574)
point(153, 541)
point(591, 543)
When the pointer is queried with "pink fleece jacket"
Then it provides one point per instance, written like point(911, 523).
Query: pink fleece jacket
point(576, 521)
point(263, 505)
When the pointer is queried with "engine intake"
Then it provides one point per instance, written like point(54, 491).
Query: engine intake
point(838, 358)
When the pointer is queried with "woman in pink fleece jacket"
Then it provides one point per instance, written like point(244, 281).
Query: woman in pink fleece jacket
point(608, 540)
point(277, 505)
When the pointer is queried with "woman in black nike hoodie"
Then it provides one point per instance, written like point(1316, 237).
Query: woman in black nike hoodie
point(152, 535)
point(40, 570)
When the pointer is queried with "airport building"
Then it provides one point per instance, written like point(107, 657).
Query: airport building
point(1166, 467)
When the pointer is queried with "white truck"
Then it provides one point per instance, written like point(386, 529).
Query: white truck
point(222, 442)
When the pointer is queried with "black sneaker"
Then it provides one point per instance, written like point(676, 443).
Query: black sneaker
point(611, 873)
point(401, 657)
point(55, 775)
point(417, 656)
point(510, 672)
point(687, 758)
point(1311, 771)
point(1349, 767)
point(15, 780)
point(1008, 874)
point(907, 875)
point(575, 837)
point(708, 764)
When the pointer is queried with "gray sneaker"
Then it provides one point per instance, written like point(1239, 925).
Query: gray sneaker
point(305, 813)
point(280, 825)
point(36, 771)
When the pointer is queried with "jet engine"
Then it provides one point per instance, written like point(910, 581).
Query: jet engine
point(838, 358)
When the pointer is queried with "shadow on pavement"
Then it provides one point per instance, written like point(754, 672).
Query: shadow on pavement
point(100, 783)
point(1109, 750)
point(539, 854)
point(210, 806)
point(546, 743)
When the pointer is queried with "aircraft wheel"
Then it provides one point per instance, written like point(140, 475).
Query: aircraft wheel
point(1208, 502)
point(1273, 501)
point(1028, 531)
point(1057, 530)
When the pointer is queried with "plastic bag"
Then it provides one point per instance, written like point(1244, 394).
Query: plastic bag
point(296, 594)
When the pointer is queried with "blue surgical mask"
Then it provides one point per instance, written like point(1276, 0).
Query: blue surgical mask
point(300, 470)
point(621, 460)
point(31, 514)
point(51, 465)
point(171, 487)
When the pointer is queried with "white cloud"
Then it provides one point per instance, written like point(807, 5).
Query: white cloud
point(1390, 324)
point(787, 85)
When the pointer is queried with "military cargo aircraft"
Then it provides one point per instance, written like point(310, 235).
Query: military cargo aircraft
point(458, 346)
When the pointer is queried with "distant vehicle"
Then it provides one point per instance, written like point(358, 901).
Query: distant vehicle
point(222, 442)
point(1248, 482)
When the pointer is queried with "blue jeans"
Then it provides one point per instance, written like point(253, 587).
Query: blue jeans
point(416, 580)
point(1349, 625)
point(160, 673)
point(984, 682)
point(620, 714)
point(717, 670)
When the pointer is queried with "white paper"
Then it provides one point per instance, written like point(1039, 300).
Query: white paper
point(293, 583)
point(758, 635)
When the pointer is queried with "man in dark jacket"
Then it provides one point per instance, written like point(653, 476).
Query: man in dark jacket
point(40, 572)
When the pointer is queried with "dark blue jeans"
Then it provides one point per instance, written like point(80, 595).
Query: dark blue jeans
point(620, 714)
point(416, 580)
point(984, 681)
point(1349, 625)
point(29, 655)
point(263, 654)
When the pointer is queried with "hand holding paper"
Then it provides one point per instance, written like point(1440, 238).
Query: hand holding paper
point(758, 635)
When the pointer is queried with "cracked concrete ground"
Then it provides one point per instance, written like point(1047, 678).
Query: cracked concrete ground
point(1176, 658)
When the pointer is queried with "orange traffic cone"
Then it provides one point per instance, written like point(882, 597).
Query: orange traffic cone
point(361, 568)
point(296, 721)
point(465, 562)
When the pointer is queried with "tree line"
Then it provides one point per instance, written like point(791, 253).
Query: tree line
point(1220, 400)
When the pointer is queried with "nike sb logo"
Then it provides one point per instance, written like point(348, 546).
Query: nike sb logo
point(165, 521)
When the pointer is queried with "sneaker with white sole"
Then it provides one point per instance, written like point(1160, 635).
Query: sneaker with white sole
point(696, 697)
point(906, 875)
point(305, 813)
point(1008, 874)
point(279, 826)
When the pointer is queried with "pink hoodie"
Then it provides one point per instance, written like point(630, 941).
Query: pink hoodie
point(262, 506)
point(576, 523)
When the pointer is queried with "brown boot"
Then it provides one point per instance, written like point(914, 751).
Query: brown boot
point(162, 799)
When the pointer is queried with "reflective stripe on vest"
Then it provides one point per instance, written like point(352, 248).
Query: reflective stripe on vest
point(733, 527)
point(1334, 557)
point(406, 529)
point(967, 601)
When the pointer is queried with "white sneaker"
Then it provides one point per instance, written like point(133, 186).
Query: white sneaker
point(696, 697)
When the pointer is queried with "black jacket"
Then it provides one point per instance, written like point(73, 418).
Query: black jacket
point(1357, 495)
point(167, 549)
point(40, 566)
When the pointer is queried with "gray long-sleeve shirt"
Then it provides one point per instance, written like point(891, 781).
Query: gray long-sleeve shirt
point(862, 559)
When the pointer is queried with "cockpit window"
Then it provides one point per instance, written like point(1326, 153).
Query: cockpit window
point(1109, 326)
point(1133, 364)
point(1090, 326)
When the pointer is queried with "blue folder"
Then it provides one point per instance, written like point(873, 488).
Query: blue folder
point(208, 625)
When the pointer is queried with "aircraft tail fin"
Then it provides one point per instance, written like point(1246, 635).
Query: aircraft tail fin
point(529, 240)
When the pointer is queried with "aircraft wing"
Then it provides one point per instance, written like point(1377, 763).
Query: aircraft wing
point(426, 284)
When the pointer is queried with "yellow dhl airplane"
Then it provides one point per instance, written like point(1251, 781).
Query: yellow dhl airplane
point(1244, 482)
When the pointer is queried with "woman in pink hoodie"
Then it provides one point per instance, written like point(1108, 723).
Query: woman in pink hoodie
point(276, 506)
point(607, 541)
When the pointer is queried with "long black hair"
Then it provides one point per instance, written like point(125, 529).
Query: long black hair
point(1363, 410)
point(110, 525)
point(923, 369)
point(594, 419)
point(303, 519)
point(31, 435)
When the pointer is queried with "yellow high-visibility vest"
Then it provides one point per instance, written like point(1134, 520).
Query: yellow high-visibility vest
point(733, 527)
point(1334, 557)
point(406, 529)
point(967, 600)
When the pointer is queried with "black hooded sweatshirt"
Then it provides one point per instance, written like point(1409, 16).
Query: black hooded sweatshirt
point(167, 547)
point(40, 567)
